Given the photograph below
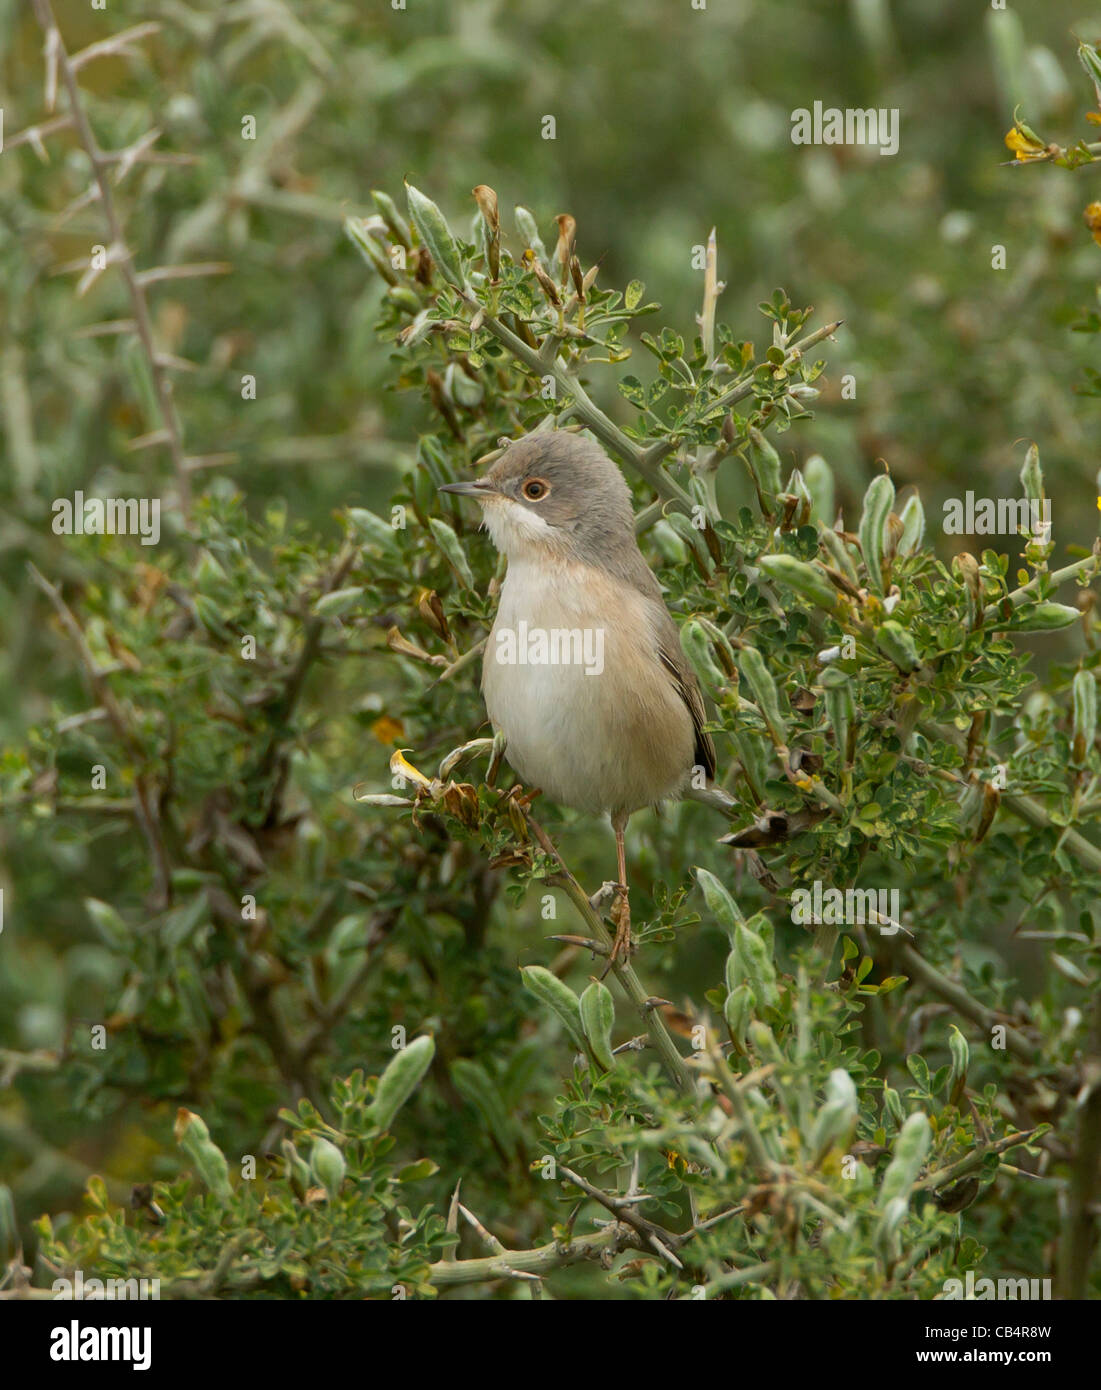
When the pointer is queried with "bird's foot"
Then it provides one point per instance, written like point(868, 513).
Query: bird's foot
point(621, 919)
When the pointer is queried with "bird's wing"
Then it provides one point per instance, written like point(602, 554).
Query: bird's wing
point(688, 687)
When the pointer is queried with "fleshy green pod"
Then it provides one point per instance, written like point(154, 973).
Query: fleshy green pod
point(557, 996)
point(528, 228)
point(402, 297)
point(673, 549)
point(1084, 728)
point(804, 579)
point(912, 517)
point(1043, 617)
point(9, 1227)
point(370, 250)
point(1032, 475)
point(911, 1146)
point(764, 465)
point(460, 388)
point(720, 645)
point(838, 552)
point(833, 1125)
point(697, 648)
point(329, 1167)
point(597, 1011)
point(298, 1171)
point(738, 1012)
point(719, 901)
point(400, 1079)
point(897, 645)
point(692, 537)
point(448, 542)
point(194, 1138)
point(754, 965)
point(892, 1104)
point(888, 1236)
point(397, 225)
point(436, 236)
point(961, 1055)
point(841, 710)
point(752, 756)
point(818, 476)
point(878, 501)
point(764, 692)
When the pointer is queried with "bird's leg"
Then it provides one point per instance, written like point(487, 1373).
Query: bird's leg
point(621, 908)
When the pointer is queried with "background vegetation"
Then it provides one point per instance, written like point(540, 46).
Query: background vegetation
point(844, 1126)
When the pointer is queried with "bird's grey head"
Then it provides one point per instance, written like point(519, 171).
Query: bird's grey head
point(557, 493)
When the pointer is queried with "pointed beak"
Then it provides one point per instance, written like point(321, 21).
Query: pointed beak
point(477, 487)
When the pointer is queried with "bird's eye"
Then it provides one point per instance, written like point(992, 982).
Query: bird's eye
point(535, 489)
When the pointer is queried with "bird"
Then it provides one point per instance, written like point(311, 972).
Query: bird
point(584, 677)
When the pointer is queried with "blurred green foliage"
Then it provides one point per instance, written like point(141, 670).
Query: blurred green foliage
point(366, 920)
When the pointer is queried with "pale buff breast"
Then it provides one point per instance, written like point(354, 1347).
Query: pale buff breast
point(614, 741)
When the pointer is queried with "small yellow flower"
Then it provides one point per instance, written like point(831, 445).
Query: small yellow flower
point(1025, 143)
point(1092, 214)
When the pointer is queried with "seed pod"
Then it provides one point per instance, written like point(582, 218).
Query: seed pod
point(764, 691)
point(833, 1125)
point(298, 1172)
point(961, 1056)
point(719, 901)
point(329, 1167)
point(738, 1012)
point(751, 962)
point(751, 755)
point(1042, 617)
point(400, 1079)
point(805, 579)
point(878, 501)
point(397, 225)
point(597, 1011)
point(1090, 59)
point(818, 476)
point(897, 645)
point(9, 1227)
point(697, 648)
point(888, 1236)
point(832, 541)
point(448, 542)
point(194, 1138)
point(436, 236)
point(764, 467)
point(464, 390)
point(912, 517)
point(557, 996)
point(528, 228)
point(402, 297)
point(720, 645)
point(370, 250)
point(693, 538)
point(892, 1104)
point(841, 711)
point(911, 1146)
point(1084, 728)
